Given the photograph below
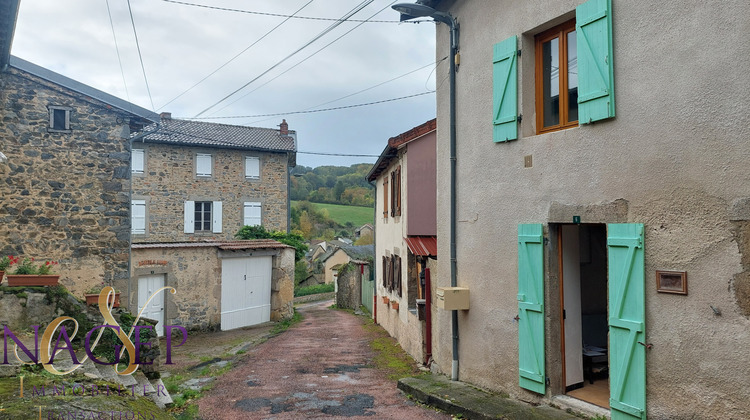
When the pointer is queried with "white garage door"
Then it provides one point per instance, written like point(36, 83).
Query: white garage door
point(245, 291)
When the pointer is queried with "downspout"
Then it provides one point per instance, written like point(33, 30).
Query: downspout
point(289, 198)
point(131, 140)
point(452, 107)
point(374, 245)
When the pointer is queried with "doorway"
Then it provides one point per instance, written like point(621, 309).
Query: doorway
point(585, 344)
point(147, 286)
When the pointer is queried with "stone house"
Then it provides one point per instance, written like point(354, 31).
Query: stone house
point(342, 254)
point(364, 230)
point(66, 181)
point(195, 185)
point(602, 204)
point(406, 236)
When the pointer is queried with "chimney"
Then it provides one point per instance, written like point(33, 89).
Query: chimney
point(166, 115)
point(284, 128)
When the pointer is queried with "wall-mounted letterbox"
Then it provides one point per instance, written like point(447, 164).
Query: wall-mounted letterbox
point(453, 298)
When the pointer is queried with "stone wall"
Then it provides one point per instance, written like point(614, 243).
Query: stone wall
point(64, 195)
point(169, 179)
point(348, 294)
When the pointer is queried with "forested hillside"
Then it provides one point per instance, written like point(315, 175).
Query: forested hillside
point(333, 184)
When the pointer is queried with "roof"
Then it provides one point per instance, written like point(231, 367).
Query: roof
point(365, 226)
point(355, 252)
point(225, 245)
point(8, 16)
point(83, 89)
point(394, 143)
point(425, 246)
point(207, 134)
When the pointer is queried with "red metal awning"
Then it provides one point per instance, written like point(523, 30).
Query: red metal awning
point(425, 246)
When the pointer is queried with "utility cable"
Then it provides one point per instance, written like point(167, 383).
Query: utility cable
point(236, 56)
point(304, 59)
point(140, 57)
point(289, 16)
point(315, 38)
point(117, 48)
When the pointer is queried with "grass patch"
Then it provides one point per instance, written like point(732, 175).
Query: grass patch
point(314, 289)
point(358, 216)
point(287, 323)
point(389, 356)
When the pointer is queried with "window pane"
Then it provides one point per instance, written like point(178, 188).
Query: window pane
point(551, 81)
point(59, 119)
point(572, 77)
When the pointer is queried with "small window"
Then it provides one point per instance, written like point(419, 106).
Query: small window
point(252, 167)
point(137, 164)
point(59, 118)
point(252, 214)
point(557, 78)
point(138, 215)
point(203, 164)
point(202, 216)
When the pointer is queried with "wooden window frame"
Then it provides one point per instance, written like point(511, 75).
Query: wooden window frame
point(202, 212)
point(560, 31)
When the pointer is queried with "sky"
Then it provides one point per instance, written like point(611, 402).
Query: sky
point(181, 44)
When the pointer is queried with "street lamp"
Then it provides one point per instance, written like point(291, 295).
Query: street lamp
point(410, 11)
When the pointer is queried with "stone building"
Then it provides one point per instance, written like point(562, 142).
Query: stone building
point(601, 224)
point(64, 194)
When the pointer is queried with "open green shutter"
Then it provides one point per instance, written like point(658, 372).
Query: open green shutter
point(596, 83)
point(627, 317)
point(505, 89)
point(531, 307)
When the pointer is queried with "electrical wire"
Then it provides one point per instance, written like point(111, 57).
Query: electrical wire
point(304, 59)
point(236, 56)
point(226, 9)
point(117, 48)
point(349, 14)
point(140, 57)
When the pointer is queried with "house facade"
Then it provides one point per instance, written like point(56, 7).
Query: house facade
point(405, 237)
point(603, 204)
point(66, 181)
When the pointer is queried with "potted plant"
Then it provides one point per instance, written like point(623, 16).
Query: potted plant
point(29, 273)
point(92, 295)
point(6, 262)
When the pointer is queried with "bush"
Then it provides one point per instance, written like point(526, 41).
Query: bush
point(314, 289)
point(292, 239)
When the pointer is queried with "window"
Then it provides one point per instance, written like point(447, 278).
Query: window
point(203, 216)
point(203, 164)
point(137, 163)
point(385, 196)
point(252, 214)
point(557, 78)
point(252, 167)
point(59, 118)
point(396, 192)
point(138, 216)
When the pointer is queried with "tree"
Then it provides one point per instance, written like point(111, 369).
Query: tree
point(305, 225)
point(366, 239)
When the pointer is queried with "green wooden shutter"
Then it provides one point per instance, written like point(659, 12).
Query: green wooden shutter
point(627, 317)
point(531, 307)
point(505, 88)
point(596, 83)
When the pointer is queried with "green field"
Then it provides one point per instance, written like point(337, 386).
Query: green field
point(342, 214)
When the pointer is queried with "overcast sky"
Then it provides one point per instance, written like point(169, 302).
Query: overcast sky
point(181, 44)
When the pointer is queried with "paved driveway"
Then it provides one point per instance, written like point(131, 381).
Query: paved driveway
point(321, 368)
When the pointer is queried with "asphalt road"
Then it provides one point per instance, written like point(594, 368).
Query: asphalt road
point(320, 368)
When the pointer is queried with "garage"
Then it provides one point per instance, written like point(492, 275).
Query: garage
point(245, 291)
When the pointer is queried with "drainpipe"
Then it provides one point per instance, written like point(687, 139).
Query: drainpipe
point(374, 245)
point(132, 140)
point(452, 105)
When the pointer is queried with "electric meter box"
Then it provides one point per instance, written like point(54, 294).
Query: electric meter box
point(453, 298)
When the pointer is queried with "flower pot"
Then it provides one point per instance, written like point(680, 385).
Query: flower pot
point(394, 305)
point(2, 273)
point(33, 280)
point(385, 300)
point(93, 299)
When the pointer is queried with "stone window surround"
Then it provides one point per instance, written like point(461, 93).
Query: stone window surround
point(203, 199)
point(147, 200)
point(195, 165)
point(254, 200)
point(169, 281)
point(52, 109)
point(260, 168)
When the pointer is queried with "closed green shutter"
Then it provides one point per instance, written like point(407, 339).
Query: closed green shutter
point(531, 307)
point(596, 83)
point(627, 318)
point(505, 90)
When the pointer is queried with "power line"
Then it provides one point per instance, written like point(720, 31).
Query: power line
point(305, 59)
point(335, 154)
point(314, 110)
point(236, 56)
point(140, 57)
point(315, 38)
point(117, 48)
point(226, 9)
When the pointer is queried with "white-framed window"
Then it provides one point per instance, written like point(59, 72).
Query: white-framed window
point(59, 118)
point(252, 215)
point(252, 167)
point(203, 216)
point(138, 161)
point(203, 164)
point(138, 216)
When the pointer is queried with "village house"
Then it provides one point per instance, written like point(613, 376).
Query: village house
point(602, 204)
point(66, 181)
point(405, 237)
point(195, 185)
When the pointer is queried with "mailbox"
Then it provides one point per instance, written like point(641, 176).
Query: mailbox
point(453, 298)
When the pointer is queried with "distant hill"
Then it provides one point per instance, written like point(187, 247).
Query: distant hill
point(333, 184)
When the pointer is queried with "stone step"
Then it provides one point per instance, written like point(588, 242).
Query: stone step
point(161, 397)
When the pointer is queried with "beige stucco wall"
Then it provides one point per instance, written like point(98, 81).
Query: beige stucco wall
point(676, 155)
point(338, 257)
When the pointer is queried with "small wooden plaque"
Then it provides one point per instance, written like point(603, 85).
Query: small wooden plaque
point(671, 282)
